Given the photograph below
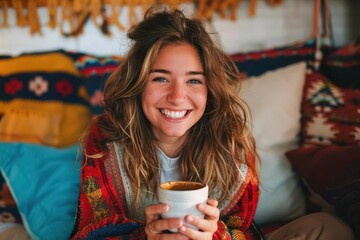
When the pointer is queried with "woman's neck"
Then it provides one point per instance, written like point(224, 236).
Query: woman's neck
point(171, 146)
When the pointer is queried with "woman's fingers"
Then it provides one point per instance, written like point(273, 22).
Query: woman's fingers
point(152, 212)
point(195, 234)
point(210, 209)
point(207, 225)
point(212, 202)
point(166, 224)
point(156, 228)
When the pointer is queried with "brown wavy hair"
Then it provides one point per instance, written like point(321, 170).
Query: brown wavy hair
point(217, 144)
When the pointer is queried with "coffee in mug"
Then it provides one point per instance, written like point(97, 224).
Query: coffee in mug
point(181, 185)
point(182, 198)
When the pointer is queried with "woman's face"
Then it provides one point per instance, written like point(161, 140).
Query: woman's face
point(175, 93)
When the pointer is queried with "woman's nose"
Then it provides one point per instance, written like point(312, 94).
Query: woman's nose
point(177, 93)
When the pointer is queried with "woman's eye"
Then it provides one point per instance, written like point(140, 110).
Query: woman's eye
point(195, 81)
point(159, 79)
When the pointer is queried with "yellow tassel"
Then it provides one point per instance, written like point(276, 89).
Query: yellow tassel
point(202, 5)
point(95, 11)
point(5, 7)
point(33, 18)
point(132, 14)
point(252, 10)
point(224, 5)
point(114, 18)
point(66, 15)
point(234, 8)
point(79, 5)
point(274, 3)
point(18, 7)
point(52, 12)
point(214, 5)
point(82, 17)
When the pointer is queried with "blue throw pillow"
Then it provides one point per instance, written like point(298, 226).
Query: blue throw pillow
point(45, 184)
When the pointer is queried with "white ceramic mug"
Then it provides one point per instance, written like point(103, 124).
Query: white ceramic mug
point(182, 198)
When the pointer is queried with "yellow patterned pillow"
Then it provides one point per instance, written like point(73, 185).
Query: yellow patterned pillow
point(42, 99)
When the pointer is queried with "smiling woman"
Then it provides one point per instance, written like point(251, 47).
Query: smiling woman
point(172, 112)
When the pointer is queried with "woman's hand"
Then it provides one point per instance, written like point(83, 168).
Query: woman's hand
point(207, 226)
point(156, 228)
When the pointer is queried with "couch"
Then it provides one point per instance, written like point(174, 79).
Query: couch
point(306, 123)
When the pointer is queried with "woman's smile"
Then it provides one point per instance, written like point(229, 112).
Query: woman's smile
point(173, 114)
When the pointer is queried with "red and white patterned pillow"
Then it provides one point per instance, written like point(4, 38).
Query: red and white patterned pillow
point(330, 114)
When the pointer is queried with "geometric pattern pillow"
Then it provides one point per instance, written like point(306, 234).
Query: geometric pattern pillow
point(330, 114)
point(95, 70)
point(343, 66)
point(256, 63)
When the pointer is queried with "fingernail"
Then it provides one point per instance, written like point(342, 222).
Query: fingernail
point(201, 206)
point(182, 229)
point(190, 218)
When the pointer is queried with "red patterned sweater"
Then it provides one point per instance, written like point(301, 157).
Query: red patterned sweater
point(103, 211)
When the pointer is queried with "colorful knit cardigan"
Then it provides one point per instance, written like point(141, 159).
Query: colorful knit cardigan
point(103, 212)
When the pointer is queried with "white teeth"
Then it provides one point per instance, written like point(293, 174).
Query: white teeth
point(173, 114)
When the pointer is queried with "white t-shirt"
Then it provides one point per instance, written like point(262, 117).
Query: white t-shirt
point(169, 167)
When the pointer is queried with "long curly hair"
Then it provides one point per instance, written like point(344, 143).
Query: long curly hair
point(217, 144)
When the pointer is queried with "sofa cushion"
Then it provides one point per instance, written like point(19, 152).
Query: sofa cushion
point(256, 63)
point(342, 66)
point(330, 114)
point(95, 70)
point(274, 99)
point(45, 184)
point(332, 174)
point(42, 99)
point(48, 76)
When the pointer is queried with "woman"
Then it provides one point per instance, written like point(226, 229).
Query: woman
point(172, 112)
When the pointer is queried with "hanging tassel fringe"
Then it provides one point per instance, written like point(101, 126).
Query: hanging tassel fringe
point(75, 13)
point(52, 13)
point(5, 8)
point(116, 8)
point(18, 7)
point(33, 18)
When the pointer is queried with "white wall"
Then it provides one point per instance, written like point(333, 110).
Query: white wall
point(287, 23)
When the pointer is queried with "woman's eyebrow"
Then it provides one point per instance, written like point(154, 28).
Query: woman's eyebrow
point(168, 72)
point(196, 73)
point(160, 71)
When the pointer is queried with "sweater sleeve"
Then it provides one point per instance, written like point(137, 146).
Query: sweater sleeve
point(237, 222)
point(101, 213)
